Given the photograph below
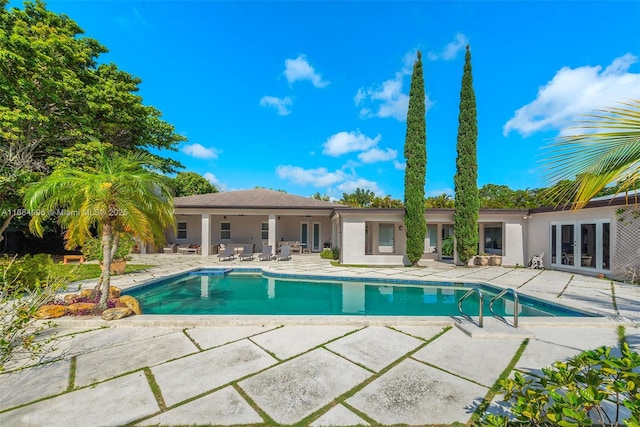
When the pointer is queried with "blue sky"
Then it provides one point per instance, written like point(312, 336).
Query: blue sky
point(312, 96)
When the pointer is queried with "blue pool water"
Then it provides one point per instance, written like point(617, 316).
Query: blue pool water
point(208, 292)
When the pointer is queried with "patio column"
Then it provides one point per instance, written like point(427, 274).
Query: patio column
point(205, 246)
point(272, 233)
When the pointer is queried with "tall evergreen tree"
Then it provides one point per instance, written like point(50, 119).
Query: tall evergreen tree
point(467, 200)
point(415, 153)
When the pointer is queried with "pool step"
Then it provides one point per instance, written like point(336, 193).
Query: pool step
point(211, 272)
point(493, 328)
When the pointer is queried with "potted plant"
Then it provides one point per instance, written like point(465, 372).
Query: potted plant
point(495, 260)
point(92, 249)
point(482, 259)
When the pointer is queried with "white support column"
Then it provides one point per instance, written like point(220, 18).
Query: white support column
point(206, 235)
point(272, 233)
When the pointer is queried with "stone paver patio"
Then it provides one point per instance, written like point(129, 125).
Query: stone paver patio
point(208, 370)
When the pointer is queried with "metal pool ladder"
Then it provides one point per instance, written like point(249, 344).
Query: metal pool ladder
point(470, 292)
point(516, 306)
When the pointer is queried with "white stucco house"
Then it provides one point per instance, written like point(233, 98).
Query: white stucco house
point(602, 238)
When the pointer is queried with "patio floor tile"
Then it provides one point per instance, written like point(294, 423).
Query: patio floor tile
point(187, 377)
point(480, 360)
point(33, 383)
point(295, 389)
point(339, 416)
point(98, 365)
point(290, 341)
point(215, 336)
point(374, 347)
point(413, 393)
point(224, 407)
point(111, 403)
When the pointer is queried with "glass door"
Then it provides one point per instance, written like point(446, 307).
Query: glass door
point(315, 237)
point(581, 245)
point(567, 244)
point(304, 234)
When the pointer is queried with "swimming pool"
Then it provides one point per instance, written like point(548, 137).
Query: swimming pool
point(210, 291)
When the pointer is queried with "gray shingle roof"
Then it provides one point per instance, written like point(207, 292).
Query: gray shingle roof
point(255, 198)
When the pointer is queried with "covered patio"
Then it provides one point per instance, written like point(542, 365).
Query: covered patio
point(254, 217)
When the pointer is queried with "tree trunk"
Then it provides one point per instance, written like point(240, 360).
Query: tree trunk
point(5, 225)
point(107, 243)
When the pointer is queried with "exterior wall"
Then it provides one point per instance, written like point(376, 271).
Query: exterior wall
point(354, 241)
point(359, 246)
point(539, 232)
point(194, 230)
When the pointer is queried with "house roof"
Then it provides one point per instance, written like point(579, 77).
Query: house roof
point(257, 198)
point(631, 197)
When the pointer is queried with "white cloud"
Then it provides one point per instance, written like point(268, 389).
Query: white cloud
point(346, 142)
point(201, 152)
point(399, 165)
point(280, 104)
point(351, 185)
point(388, 96)
point(576, 91)
point(299, 69)
point(214, 180)
point(318, 177)
point(374, 155)
point(451, 50)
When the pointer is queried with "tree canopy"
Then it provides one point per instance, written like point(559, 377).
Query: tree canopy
point(415, 153)
point(54, 94)
point(190, 183)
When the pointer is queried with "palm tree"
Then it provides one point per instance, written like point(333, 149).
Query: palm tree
point(120, 194)
point(606, 152)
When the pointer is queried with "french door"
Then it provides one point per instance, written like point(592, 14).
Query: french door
point(583, 245)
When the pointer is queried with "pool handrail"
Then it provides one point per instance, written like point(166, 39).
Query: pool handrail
point(470, 292)
point(516, 306)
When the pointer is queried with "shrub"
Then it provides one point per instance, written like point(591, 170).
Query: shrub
point(92, 248)
point(326, 254)
point(22, 338)
point(26, 273)
point(576, 392)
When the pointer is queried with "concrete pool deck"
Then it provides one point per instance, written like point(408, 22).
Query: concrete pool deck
point(239, 370)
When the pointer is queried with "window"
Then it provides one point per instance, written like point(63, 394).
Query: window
point(182, 230)
point(265, 231)
point(385, 238)
point(225, 231)
point(493, 240)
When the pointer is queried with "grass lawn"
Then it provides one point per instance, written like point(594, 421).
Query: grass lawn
point(88, 271)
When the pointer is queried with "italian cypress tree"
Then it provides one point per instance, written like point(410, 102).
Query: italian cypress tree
point(415, 153)
point(467, 200)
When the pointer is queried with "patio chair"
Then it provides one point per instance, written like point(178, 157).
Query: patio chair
point(285, 253)
point(247, 252)
point(536, 261)
point(228, 253)
point(266, 253)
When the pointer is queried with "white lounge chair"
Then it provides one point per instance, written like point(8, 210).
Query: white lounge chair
point(247, 252)
point(285, 253)
point(266, 253)
point(228, 253)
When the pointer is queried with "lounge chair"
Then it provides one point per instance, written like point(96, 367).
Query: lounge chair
point(266, 253)
point(247, 252)
point(285, 253)
point(228, 253)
